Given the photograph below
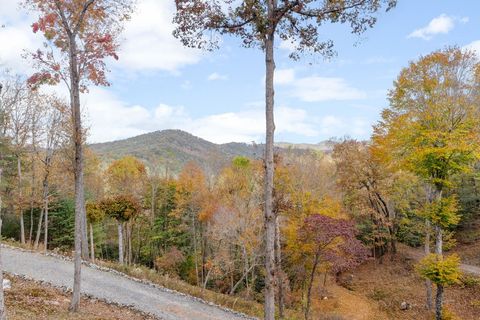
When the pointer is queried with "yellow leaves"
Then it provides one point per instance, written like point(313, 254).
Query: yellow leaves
point(442, 212)
point(432, 127)
point(126, 176)
point(94, 212)
point(440, 270)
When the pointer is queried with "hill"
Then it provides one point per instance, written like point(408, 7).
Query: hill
point(172, 149)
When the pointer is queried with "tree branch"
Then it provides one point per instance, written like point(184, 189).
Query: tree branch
point(320, 13)
point(82, 15)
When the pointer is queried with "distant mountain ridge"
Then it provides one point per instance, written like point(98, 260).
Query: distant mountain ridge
point(172, 149)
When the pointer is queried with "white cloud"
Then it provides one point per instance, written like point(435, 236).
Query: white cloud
point(284, 76)
point(109, 119)
point(149, 43)
point(216, 76)
point(16, 36)
point(442, 24)
point(288, 45)
point(315, 89)
point(9, 10)
point(474, 46)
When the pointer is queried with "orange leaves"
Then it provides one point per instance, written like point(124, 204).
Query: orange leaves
point(193, 194)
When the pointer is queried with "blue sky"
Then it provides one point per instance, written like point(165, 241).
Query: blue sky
point(158, 84)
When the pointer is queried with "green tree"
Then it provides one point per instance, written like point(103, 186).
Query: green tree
point(432, 128)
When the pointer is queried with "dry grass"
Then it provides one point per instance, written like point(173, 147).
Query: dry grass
point(391, 283)
point(28, 300)
point(239, 304)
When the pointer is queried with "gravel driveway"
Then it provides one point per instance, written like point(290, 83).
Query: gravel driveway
point(112, 287)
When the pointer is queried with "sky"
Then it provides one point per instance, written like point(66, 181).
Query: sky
point(157, 84)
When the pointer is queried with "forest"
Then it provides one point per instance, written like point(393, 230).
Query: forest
point(287, 227)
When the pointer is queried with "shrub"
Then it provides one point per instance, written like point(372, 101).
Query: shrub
point(439, 269)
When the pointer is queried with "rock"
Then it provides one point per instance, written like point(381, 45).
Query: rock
point(405, 306)
point(7, 284)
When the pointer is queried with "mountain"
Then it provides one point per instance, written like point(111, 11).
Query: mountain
point(172, 149)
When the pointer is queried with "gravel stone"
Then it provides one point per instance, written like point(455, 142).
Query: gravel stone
point(113, 287)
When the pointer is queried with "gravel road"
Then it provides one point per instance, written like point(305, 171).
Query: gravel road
point(418, 254)
point(112, 287)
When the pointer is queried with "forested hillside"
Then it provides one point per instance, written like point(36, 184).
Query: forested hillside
point(172, 149)
point(383, 225)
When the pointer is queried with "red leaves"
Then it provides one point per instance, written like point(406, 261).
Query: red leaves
point(94, 28)
point(35, 27)
point(334, 241)
point(40, 78)
point(44, 23)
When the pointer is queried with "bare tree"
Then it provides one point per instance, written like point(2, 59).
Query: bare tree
point(258, 24)
point(17, 113)
point(3, 311)
point(80, 35)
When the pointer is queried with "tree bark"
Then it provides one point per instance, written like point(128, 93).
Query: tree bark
point(78, 166)
point(279, 272)
point(439, 302)
point(39, 231)
point(92, 246)
point(120, 242)
point(45, 241)
point(129, 242)
point(428, 282)
point(310, 285)
point(438, 240)
point(85, 253)
point(3, 311)
point(269, 167)
point(438, 251)
point(20, 199)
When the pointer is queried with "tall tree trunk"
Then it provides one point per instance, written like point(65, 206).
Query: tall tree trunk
point(3, 311)
point(153, 200)
point(120, 242)
point(279, 271)
point(439, 302)
point(32, 195)
point(80, 210)
point(310, 285)
point(85, 255)
point(129, 240)
point(45, 235)
point(428, 282)
point(269, 167)
point(30, 233)
point(39, 230)
point(438, 240)
point(195, 253)
point(20, 199)
point(92, 246)
point(439, 252)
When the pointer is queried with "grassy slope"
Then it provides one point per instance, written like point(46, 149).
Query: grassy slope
point(28, 300)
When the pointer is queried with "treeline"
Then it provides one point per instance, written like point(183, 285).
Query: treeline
point(414, 182)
